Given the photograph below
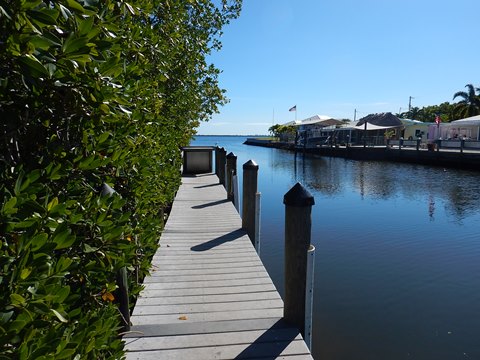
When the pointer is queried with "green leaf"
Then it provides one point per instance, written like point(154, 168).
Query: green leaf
point(9, 207)
point(18, 183)
point(104, 109)
point(17, 299)
point(41, 42)
point(44, 17)
point(33, 66)
point(59, 316)
point(73, 44)
point(85, 26)
point(38, 241)
point(25, 273)
point(62, 294)
point(89, 249)
point(65, 354)
point(125, 110)
point(52, 203)
point(5, 316)
point(63, 264)
point(72, 4)
point(63, 239)
point(17, 325)
point(34, 175)
point(4, 12)
point(103, 137)
point(65, 12)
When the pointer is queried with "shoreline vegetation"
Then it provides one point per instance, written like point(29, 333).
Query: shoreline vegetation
point(96, 99)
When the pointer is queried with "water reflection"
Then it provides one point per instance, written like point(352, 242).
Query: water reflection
point(458, 190)
point(396, 269)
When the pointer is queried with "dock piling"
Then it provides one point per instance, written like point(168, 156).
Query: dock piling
point(231, 169)
point(258, 197)
point(298, 223)
point(250, 177)
point(221, 165)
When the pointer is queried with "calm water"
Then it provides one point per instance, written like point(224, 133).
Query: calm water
point(397, 272)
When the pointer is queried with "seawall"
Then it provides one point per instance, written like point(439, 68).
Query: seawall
point(443, 158)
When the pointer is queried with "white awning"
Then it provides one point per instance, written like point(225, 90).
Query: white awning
point(374, 127)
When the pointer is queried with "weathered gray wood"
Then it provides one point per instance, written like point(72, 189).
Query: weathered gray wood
point(208, 294)
point(212, 327)
point(207, 316)
point(155, 309)
point(215, 339)
point(206, 299)
point(210, 290)
point(209, 284)
point(240, 351)
point(201, 266)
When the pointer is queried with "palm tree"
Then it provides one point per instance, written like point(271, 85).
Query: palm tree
point(470, 103)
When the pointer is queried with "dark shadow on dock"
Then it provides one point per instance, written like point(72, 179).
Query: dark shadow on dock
point(205, 186)
point(231, 236)
point(213, 203)
point(272, 343)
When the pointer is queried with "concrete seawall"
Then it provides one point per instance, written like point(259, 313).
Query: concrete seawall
point(443, 158)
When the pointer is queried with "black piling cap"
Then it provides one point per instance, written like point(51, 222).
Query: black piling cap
point(231, 155)
point(250, 165)
point(298, 196)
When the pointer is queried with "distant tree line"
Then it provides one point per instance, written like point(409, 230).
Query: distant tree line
point(468, 105)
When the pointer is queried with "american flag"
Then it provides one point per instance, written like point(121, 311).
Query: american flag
point(437, 119)
point(294, 108)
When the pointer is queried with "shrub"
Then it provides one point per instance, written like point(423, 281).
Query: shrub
point(92, 93)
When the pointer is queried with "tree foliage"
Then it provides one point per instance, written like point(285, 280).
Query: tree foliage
point(278, 130)
point(92, 92)
point(469, 105)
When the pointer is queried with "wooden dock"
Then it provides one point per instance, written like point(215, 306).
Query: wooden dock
point(209, 295)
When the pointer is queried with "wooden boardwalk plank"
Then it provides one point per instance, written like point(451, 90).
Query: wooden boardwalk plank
point(232, 351)
point(215, 339)
point(207, 299)
point(208, 295)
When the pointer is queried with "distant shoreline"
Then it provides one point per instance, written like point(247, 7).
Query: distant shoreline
point(234, 135)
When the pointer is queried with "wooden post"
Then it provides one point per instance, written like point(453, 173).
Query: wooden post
point(462, 144)
point(298, 223)
point(250, 176)
point(236, 196)
point(309, 296)
point(122, 297)
point(258, 211)
point(121, 279)
point(231, 170)
point(418, 144)
point(221, 165)
point(217, 152)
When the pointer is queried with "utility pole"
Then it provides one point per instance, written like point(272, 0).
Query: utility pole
point(410, 103)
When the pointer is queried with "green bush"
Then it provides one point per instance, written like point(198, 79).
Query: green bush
point(92, 93)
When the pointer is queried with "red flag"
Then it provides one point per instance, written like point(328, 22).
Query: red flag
point(294, 108)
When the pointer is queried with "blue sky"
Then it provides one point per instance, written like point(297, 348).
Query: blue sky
point(330, 57)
